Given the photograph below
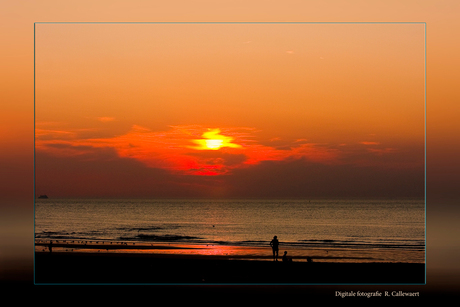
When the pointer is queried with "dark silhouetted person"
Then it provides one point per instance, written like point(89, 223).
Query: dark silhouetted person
point(274, 244)
point(285, 258)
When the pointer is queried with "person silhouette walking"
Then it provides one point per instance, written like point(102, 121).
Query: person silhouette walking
point(274, 244)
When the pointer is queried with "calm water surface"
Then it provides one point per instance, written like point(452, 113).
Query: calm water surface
point(342, 224)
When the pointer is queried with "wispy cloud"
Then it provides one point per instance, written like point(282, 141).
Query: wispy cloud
point(105, 119)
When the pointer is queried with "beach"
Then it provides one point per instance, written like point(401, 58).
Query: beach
point(210, 242)
point(128, 267)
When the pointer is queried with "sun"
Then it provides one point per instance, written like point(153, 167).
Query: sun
point(214, 144)
point(213, 140)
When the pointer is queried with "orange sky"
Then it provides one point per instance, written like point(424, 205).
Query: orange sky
point(299, 81)
point(211, 98)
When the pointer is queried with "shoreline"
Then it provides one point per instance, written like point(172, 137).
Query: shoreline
point(235, 252)
point(147, 268)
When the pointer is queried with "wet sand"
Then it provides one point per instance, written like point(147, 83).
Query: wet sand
point(238, 252)
point(100, 267)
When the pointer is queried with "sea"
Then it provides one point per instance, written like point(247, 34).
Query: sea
point(359, 230)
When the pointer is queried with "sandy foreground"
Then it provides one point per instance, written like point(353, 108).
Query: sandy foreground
point(99, 266)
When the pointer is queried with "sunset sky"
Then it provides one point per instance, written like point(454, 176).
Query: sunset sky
point(229, 109)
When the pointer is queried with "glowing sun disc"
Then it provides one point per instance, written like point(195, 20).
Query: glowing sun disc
point(213, 140)
point(214, 144)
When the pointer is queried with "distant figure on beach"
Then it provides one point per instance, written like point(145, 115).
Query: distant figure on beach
point(285, 258)
point(51, 246)
point(274, 244)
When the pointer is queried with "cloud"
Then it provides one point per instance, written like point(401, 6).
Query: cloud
point(50, 134)
point(105, 119)
point(378, 151)
point(176, 149)
point(143, 158)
